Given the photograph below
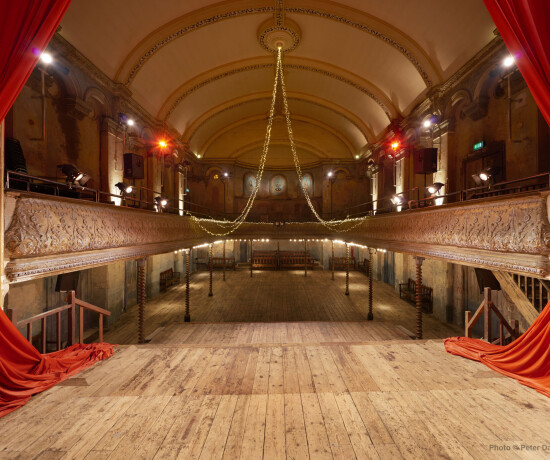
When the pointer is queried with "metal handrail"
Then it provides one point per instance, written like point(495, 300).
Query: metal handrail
point(378, 206)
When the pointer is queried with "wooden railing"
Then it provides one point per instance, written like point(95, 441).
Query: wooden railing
point(71, 309)
point(535, 289)
point(486, 307)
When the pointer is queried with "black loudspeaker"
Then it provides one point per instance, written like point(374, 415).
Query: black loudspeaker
point(425, 161)
point(133, 166)
point(67, 282)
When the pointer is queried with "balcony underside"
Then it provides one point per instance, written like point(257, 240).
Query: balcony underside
point(48, 235)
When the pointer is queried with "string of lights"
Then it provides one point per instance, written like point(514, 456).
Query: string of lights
point(228, 227)
point(334, 225)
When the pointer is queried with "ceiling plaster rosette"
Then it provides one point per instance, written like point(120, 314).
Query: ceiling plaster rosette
point(287, 36)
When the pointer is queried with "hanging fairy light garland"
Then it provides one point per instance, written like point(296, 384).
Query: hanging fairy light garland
point(334, 225)
point(228, 227)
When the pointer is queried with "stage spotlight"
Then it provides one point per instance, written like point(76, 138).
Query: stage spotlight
point(329, 174)
point(398, 199)
point(46, 58)
point(162, 144)
point(72, 174)
point(477, 180)
point(508, 61)
point(130, 122)
point(435, 188)
point(124, 189)
point(161, 201)
point(395, 145)
point(488, 173)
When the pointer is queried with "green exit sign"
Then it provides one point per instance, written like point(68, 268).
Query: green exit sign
point(479, 146)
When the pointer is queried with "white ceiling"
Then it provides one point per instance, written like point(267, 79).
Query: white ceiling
point(199, 66)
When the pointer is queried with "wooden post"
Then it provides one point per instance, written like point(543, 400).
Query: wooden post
point(100, 327)
point(187, 317)
point(467, 320)
point(305, 258)
point(210, 293)
point(58, 333)
point(224, 260)
point(332, 241)
point(487, 316)
point(72, 317)
point(141, 300)
point(80, 324)
point(419, 261)
point(370, 315)
point(43, 321)
point(347, 268)
point(251, 258)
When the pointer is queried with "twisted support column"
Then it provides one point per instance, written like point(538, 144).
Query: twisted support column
point(224, 260)
point(210, 294)
point(370, 316)
point(347, 269)
point(332, 260)
point(187, 317)
point(251, 258)
point(141, 299)
point(305, 258)
point(419, 261)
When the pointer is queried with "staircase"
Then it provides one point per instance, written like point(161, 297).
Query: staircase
point(525, 292)
point(535, 289)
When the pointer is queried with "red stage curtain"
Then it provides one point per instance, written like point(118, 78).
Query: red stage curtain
point(525, 28)
point(24, 371)
point(526, 359)
point(26, 27)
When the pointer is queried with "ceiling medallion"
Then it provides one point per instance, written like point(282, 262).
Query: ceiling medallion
point(286, 36)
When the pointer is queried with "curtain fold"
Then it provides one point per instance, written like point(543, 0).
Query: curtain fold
point(526, 359)
point(25, 372)
point(26, 27)
point(525, 28)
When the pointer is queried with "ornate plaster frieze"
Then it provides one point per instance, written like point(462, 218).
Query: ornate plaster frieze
point(278, 24)
point(48, 235)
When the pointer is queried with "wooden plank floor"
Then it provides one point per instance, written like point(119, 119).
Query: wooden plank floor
point(274, 296)
point(389, 400)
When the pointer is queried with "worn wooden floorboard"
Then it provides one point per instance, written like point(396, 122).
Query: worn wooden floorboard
point(293, 373)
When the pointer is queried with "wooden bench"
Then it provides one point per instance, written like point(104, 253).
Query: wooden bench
point(168, 278)
point(407, 291)
point(219, 262)
point(295, 260)
point(340, 263)
point(264, 260)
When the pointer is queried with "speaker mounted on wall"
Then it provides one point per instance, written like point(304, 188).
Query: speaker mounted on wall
point(133, 166)
point(425, 161)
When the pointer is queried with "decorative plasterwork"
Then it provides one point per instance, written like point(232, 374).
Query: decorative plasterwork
point(271, 35)
point(151, 51)
point(49, 235)
point(251, 67)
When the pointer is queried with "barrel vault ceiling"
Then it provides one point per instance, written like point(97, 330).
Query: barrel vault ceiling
point(206, 68)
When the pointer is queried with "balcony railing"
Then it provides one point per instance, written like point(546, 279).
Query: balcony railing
point(141, 199)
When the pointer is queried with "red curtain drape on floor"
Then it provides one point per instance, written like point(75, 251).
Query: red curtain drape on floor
point(526, 359)
point(25, 372)
point(525, 28)
point(26, 27)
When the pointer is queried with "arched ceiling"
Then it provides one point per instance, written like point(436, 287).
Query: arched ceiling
point(202, 66)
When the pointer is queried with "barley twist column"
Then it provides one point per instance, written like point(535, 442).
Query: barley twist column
point(370, 316)
point(419, 261)
point(187, 317)
point(332, 260)
point(347, 269)
point(305, 258)
point(251, 258)
point(210, 294)
point(141, 299)
point(224, 260)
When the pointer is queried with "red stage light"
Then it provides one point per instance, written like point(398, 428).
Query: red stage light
point(395, 145)
point(163, 144)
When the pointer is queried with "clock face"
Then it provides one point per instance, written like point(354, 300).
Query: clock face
point(307, 183)
point(278, 185)
point(249, 184)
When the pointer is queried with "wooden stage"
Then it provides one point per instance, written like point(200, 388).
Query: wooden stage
point(311, 389)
